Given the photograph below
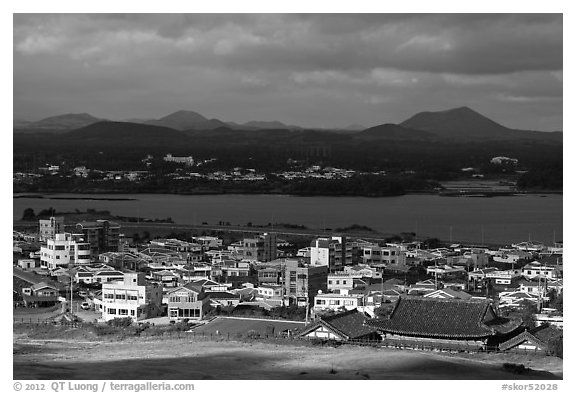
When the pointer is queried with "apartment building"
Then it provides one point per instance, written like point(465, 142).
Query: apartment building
point(302, 282)
point(103, 235)
point(334, 252)
point(261, 248)
point(388, 255)
point(63, 250)
point(50, 227)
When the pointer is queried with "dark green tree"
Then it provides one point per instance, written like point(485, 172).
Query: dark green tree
point(28, 215)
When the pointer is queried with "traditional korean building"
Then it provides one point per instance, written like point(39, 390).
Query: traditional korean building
point(344, 326)
point(445, 323)
point(534, 340)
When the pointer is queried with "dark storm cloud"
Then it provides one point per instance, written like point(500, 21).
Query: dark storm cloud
point(438, 43)
point(388, 65)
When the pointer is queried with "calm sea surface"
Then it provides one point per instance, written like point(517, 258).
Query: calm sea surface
point(492, 220)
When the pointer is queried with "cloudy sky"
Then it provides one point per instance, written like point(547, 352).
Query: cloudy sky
point(306, 69)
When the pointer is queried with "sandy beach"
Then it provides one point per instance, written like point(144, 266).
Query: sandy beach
point(186, 359)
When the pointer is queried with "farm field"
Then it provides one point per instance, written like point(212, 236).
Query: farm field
point(232, 326)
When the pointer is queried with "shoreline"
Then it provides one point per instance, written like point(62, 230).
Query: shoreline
point(47, 195)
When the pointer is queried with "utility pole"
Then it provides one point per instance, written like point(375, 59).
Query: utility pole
point(435, 274)
point(283, 278)
point(539, 306)
point(71, 288)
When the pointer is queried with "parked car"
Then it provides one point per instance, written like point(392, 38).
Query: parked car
point(83, 293)
point(85, 306)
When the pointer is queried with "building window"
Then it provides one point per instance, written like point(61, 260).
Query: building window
point(132, 313)
point(122, 311)
point(112, 311)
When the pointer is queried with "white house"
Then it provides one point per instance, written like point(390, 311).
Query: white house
point(535, 269)
point(516, 299)
point(208, 242)
point(268, 291)
point(131, 297)
point(504, 277)
point(445, 270)
point(334, 301)
point(362, 271)
point(342, 282)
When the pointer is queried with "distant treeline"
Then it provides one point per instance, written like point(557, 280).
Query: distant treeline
point(30, 215)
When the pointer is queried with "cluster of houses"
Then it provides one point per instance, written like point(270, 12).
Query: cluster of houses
point(432, 296)
point(188, 170)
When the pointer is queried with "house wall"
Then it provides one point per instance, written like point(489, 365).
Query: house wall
point(433, 342)
point(323, 333)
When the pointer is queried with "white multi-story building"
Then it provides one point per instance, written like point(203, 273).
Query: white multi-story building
point(63, 250)
point(320, 252)
point(131, 298)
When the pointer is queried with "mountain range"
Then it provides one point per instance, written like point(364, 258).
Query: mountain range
point(181, 120)
point(460, 123)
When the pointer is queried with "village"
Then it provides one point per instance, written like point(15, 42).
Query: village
point(338, 289)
